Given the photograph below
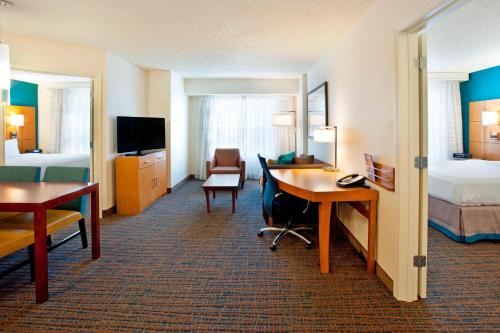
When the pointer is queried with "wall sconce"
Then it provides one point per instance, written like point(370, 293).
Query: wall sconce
point(15, 120)
point(327, 134)
point(490, 118)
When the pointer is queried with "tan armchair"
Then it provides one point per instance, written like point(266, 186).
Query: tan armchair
point(227, 161)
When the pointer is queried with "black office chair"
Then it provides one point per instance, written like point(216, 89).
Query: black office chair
point(286, 210)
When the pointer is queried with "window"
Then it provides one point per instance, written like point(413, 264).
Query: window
point(244, 122)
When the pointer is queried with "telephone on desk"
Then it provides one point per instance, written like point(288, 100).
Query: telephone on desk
point(352, 180)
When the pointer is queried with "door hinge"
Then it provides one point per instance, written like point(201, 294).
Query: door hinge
point(419, 261)
point(421, 162)
point(421, 62)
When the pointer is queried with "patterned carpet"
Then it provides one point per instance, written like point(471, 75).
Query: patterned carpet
point(175, 268)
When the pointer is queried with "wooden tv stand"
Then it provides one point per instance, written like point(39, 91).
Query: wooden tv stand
point(140, 180)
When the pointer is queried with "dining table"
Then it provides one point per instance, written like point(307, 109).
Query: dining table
point(38, 198)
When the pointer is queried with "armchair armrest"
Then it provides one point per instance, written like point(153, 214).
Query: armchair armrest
point(242, 165)
point(210, 164)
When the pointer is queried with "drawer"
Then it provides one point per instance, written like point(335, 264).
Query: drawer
point(160, 156)
point(147, 160)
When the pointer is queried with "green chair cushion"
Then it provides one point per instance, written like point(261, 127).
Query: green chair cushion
point(19, 174)
point(66, 175)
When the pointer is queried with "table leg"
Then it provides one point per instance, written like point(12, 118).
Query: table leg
point(335, 219)
point(94, 224)
point(234, 200)
point(207, 198)
point(41, 261)
point(325, 208)
point(372, 236)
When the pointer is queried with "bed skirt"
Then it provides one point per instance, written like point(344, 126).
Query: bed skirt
point(464, 223)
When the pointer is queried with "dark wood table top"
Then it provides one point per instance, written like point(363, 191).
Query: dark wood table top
point(222, 181)
point(36, 194)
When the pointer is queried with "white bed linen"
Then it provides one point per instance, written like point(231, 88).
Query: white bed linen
point(466, 183)
point(45, 160)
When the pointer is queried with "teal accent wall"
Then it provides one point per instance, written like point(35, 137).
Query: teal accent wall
point(25, 94)
point(482, 85)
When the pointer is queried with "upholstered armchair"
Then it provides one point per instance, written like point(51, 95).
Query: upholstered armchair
point(227, 161)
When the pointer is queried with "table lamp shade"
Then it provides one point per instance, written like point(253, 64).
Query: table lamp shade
point(326, 134)
point(16, 120)
point(490, 118)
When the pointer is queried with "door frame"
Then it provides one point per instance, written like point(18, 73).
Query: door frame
point(411, 123)
point(96, 114)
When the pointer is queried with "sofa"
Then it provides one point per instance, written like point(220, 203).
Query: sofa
point(299, 162)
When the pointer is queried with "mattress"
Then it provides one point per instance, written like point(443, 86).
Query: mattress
point(45, 160)
point(465, 182)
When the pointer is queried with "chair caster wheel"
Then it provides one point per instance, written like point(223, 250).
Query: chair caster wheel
point(308, 246)
point(272, 247)
point(260, 234)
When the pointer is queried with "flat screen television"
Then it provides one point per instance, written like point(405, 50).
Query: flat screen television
point(136, 134)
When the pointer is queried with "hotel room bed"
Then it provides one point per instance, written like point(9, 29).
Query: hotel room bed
point(45, 160)
point(464, 199)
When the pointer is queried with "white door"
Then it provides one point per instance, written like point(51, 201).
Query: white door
point(423, 208)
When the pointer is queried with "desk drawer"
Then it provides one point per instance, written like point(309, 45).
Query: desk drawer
point(160, 156)
point(145, 161)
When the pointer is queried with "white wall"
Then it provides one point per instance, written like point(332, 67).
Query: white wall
point(54, 57)
point(125, 94)
point(361, 75)
point(179, 127)
point(241, 86)
point(159, 85)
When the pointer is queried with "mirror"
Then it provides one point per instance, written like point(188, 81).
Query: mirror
point(317, 108)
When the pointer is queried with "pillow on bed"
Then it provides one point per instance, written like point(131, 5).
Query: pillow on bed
point(11, 148)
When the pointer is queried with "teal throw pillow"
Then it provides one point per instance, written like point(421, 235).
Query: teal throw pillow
point(286, 158)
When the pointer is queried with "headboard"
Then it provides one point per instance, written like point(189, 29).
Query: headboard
point(480, 144)
point(26, 135)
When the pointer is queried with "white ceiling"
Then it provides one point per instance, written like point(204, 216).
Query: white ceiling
point(197, 37)
point(466, 40)
point(38, 78)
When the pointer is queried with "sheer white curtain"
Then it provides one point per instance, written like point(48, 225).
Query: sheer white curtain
point(244, 122)
point(444, 119)
point(69, 121)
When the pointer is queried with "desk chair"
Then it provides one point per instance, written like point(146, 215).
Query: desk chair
point(285, 209)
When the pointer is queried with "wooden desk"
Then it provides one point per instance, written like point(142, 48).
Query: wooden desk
point(37, 198)
point(320, 186)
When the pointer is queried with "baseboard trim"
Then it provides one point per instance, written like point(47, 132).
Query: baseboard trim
point(382, 275)
point(109, 211)
point(179, 184)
